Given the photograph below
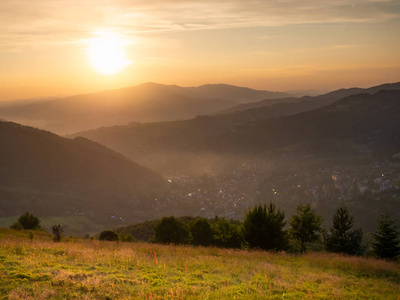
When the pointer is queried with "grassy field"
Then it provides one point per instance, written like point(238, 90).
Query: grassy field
point(33, 267)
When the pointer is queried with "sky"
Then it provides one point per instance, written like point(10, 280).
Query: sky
point(47, 46)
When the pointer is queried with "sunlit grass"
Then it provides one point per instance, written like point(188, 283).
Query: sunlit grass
point(88, 269)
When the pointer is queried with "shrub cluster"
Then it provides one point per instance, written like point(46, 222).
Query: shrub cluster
point(27, 221)
point(109, 235)
point(198, 231)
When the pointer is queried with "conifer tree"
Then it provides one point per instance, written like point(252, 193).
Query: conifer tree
point(387, 239)
point(341, 238)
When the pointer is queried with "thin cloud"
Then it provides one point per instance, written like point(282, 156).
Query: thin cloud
point(42, 21)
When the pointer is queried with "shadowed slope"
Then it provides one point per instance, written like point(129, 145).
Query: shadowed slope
point(49, 174)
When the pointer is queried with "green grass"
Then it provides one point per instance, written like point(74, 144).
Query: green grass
point(37, 268)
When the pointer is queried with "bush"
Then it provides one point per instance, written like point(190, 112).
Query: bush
point(108, 235)
point(27, 221)
point(263, 228)
point(16, 226)
point(170, 230)
point(123, 237)
point(57, 232)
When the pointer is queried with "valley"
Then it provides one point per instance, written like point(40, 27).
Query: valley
point(345, 152)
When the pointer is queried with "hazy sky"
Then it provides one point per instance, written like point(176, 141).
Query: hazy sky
point(272, 44)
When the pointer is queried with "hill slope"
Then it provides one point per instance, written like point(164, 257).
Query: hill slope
point(85, 269)
point(49, 175)
point(369, 121)
point(144, 103)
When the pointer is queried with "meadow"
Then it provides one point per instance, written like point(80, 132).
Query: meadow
point(32, 266)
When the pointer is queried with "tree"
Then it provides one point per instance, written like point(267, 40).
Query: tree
point(263, 228)
point(201, 232)
point(341, 239)
point(305, 226)
point(387, 239)
point(27, 221)
point(108, 235)
point(57, 232)
point(170, 230)
point(225, 234)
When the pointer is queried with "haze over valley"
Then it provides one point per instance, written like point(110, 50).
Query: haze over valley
point(218, 158)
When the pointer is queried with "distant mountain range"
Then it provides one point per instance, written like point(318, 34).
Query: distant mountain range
point(370, 121)
point(362, 122)
point(42, 172)
point(225, 91)
point(45, 173)
point(148, 102)
point(292, 105)
point(301, 93)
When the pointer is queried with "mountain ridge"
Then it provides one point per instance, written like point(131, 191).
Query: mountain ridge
point(149, 102)
point(307, 102)
point(345, 118)
point(216, 134)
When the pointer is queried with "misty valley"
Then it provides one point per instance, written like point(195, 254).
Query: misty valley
point(228, 150)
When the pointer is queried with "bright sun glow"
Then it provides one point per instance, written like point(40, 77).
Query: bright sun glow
point(107, 52)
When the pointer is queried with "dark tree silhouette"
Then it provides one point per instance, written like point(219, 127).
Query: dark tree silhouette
point(341, 238)
point(27, 221)
point(387, 239)
point(108, 235)
point(201, 232)
point(171, 230)
point(263, 228)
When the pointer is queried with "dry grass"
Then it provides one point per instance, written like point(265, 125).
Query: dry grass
point(86, 269)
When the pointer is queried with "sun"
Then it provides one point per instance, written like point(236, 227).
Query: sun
point(106, 52)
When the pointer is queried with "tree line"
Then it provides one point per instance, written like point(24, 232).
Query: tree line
point(264, 227)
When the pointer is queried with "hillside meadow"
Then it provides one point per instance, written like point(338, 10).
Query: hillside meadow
point(32, 266)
